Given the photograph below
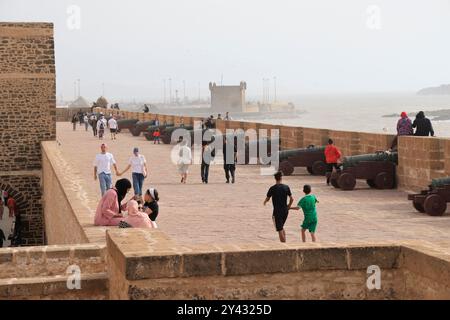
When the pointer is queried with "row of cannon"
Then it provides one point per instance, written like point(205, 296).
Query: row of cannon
point(147, 128)
point(377, 169)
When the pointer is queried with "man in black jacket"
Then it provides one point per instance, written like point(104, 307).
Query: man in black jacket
point(423, 126)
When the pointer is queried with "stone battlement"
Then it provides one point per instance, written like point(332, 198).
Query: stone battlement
point(42, 272)
point(157, 269)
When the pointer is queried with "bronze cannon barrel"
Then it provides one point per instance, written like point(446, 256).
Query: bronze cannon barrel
point(286, 154)
point(126, 123)
point(352, 161)
point(166, 134)
point(440, 182)
point(140, 126)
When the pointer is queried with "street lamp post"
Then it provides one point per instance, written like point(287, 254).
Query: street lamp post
point(170, 90)
point(164, 84)
point(274, 89)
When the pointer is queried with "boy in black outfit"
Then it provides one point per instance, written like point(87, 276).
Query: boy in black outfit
point(279, 193)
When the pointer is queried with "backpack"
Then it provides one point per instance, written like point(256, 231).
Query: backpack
point(102, 125)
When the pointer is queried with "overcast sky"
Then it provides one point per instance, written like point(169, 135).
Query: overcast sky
point(320, 46)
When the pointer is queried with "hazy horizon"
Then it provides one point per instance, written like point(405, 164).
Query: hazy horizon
point(320, 47)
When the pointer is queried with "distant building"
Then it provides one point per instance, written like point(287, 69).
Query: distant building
point(65, 114)
point(228, 98)
point(102, 102)
point(80, 103)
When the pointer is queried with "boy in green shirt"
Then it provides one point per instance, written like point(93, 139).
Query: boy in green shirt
point(308, 205)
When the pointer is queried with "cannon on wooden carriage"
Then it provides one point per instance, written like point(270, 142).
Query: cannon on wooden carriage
point(434, 200)
point(148, 133)
point(378, 169)
point(126, 123)
point(166, 134)
point(313, 158)
point(141, 126)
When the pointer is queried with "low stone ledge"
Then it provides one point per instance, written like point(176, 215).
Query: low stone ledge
point(6, 256)
point(260, 261)
point(92, 286)
point(201, 264)
point(147, 254)
point(322, 259)
point(25, 262)
point(385, 257)
point(427, 264)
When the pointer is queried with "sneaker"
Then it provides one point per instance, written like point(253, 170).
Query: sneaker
point(232, 180)
point(228, 181)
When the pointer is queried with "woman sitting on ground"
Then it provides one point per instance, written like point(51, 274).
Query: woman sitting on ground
point(109, 209)
point(136, 218)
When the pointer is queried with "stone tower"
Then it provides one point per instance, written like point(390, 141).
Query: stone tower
point(28, 110)
point(228, 98)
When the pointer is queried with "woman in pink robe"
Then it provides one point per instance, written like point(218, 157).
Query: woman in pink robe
point(136, 218)
point(109, 209)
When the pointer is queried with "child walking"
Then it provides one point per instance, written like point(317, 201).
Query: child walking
point(156, 136)
point(308, 205)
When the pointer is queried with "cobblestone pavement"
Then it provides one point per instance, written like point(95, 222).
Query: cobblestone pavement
point(234, 213)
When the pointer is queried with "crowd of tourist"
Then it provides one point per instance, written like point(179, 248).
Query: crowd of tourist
point(98, 122)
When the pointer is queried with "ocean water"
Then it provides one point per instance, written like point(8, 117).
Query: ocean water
point(362, 112)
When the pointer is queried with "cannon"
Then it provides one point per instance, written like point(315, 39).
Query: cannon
point(148, 134)
point(126, 123)
point(434, 200)
point(140, 126)
point(313, 158)
point(166, 134)
point(378, 169)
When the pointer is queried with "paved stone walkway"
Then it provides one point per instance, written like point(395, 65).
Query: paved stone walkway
point(224, 213)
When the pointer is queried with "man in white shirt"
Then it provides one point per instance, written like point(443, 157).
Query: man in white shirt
point(102, 168)
point(112, 123)
point(138, 166)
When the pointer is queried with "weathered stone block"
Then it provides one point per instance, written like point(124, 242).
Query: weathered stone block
point(263, 261)
point(151, 267)
point(322, 259)
point(197, 264)
point(384, 257)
